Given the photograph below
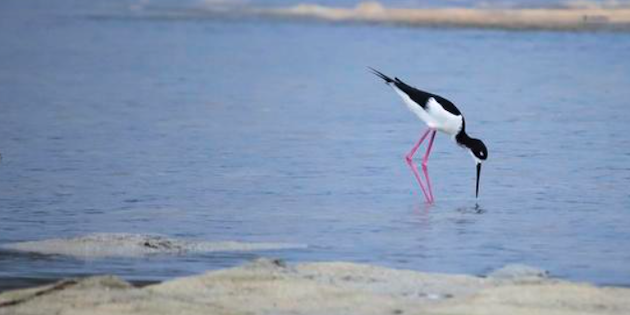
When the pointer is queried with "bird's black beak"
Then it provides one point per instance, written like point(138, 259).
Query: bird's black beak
point(478, 174)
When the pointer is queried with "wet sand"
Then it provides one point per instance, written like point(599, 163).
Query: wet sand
point(591, 17)
point(272, 287)
point(100, 245)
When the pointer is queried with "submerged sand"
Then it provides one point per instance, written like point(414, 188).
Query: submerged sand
point(578, 17)
point(271, 287)
point(100, 245)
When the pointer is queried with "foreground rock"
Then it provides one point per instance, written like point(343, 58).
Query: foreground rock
point(132, 245)
point(270, 287)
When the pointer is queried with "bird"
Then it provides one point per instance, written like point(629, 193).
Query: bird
point(439, 114)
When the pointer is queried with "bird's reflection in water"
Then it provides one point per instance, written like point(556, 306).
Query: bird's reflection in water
point(425, 208)
point(426, 215)
point(422, 211)
point(468, 217)
point(422, 207)
point(477, 209)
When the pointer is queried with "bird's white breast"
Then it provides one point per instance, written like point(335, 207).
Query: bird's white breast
point(434, 115)
point(443, 120)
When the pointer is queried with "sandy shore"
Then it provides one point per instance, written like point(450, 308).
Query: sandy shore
point(271, 287)
point(586, 17)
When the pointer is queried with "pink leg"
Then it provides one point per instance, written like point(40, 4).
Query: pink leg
point(414, 167)
point(425, 161)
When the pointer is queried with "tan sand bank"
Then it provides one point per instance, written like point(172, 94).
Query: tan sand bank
point(100, 245)
point(567, 18)
point(270, 287)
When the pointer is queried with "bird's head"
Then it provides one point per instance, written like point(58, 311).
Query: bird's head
point(479, 152)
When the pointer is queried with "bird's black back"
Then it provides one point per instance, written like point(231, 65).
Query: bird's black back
point(422, 97)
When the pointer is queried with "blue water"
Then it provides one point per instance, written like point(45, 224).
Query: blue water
point(257, 130)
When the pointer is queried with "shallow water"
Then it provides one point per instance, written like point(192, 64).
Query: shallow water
point(261, 131)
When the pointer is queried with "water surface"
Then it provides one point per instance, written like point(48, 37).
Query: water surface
point(262, 131)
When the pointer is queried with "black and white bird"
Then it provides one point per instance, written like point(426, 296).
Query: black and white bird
point(439, 114)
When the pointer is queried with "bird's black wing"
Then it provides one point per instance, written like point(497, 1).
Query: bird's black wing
point(447, 105)
point(418, 96)
point(422, 97)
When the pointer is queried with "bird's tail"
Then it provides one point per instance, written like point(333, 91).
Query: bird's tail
point(387, 79)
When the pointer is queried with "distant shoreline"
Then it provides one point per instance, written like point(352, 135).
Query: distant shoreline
point(561, 19)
